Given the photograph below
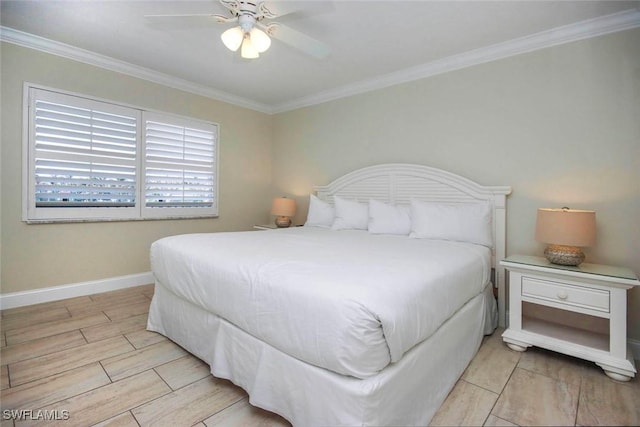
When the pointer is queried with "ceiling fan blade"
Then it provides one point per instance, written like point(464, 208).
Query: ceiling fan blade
point(191, 18)
point(232, 5)
point(276, 9)
point(297, 40)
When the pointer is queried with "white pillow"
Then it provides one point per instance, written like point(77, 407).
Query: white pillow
point(321, 214)
point(350, 215)
point(464, 222)
point(388, 219)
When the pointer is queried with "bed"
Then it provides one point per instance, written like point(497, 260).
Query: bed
point(357, 318)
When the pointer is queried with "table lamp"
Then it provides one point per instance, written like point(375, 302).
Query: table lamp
point(283, 209)
point(566, 231)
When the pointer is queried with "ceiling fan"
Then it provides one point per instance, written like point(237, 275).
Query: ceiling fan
point(252, 35)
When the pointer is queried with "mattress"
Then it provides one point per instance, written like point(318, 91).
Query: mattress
point(347, 301)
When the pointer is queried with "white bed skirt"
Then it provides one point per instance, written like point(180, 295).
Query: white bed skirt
point(408, 392)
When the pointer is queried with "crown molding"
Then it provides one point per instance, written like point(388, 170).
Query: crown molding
point(42, 44)
point(620, 21)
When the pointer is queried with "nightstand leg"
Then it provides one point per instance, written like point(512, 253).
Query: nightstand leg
point(516, 347)
point(616, 376)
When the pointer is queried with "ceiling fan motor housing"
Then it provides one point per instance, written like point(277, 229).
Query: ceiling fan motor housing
point(247, 15)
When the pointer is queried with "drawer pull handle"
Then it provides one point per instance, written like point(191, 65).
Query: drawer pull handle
point(562, 295)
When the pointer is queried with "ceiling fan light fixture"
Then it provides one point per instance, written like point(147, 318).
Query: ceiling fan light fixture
point(232, 38)
point(260, 40)
point(248, 49)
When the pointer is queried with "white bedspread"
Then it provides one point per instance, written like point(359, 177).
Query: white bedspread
point(347, 301)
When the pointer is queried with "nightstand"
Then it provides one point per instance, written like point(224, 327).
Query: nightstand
point(271, 226)
point(584, 311)
point(265, 226)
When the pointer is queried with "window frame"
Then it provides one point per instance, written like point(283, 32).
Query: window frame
point(34, 215)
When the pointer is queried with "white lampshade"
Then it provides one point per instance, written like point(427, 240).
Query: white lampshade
point(569, 227)
point(284, 209)
point(232, 38)
point(260, 40)
point(282, 206)
point(248, 51)
point(566, 231)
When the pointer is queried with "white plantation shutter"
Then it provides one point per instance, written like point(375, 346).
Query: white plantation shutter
point(180, 160)
point(84, 157)
point(94, 160)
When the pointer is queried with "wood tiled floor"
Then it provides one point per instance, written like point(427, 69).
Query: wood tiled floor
point(92, 356)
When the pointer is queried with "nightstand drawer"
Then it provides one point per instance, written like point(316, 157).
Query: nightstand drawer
point(566, 294)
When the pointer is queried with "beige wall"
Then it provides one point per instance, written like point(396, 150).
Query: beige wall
point(560, 125)
point(37, 256)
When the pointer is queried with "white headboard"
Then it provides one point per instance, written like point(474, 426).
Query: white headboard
point(398, 183)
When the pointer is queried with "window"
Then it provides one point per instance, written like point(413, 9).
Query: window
point(179, 165)
point(94, 160)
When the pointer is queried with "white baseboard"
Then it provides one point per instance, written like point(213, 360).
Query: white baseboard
point(55, 293)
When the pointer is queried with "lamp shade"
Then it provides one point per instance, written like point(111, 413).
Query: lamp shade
point(232, 38)
point(260, 40)
point(565, 226)
point(248, 51)
point(282, 206)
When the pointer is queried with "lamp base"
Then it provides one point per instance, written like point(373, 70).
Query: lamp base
point(283, 221)
point(564, 255)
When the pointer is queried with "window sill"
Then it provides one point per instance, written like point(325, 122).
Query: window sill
point(80, 220)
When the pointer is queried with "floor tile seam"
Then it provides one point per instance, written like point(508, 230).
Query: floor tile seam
point(500, 418)
point(479, 386)
point(505, 383)
point(37, 323)
point(181, 388)
point(185, 385)
point(29, 316)
point(77, 347)
point(46, 354)
point(120, 414)
point(138, 350)
point(107, 307)
point(130, 410)
point(117, 332)
point(83, 335)
point(9, 377)
point(125, 317)
point(490, 391)
point(49, 374)
point(68, 397)
point(171, 390)
point(107, 316)
point(105, 371)
point(133, 345)
point(224, 409)
point(29, 310)
point(575, 419)
point(58, 333)
point(78, 366)
point(162, 378)
point(124, 295)
point(550, 377)
point(502, 391)
point(559, 381)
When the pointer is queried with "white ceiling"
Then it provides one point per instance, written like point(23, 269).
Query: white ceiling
point(373, 43)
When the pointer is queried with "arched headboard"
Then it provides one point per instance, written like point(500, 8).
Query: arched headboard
point(398, 183)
